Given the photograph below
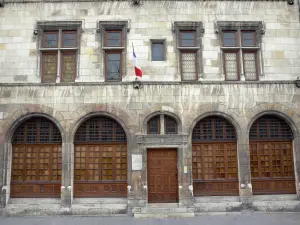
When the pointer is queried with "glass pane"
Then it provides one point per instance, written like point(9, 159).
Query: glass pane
point(250, 66)
point(49, 67)
point(158, 52)
point(248, 38)
point(113, 38)
point(187, 39)
point(69, 39)
point(50, 40)
point(188, 66)
point(231, 66)
point(113, 66)
point(68, 67)
point(229, 39)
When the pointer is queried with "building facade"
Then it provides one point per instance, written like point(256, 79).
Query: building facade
point(215, 117)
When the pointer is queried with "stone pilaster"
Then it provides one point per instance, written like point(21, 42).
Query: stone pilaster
point(67, 174)
point(245, 186)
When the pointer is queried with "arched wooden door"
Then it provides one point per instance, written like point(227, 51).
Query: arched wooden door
point(215, 167)
point(36, 159)
point(100, 159)
point(271, 156)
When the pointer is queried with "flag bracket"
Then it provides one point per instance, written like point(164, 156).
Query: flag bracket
point(137, 84)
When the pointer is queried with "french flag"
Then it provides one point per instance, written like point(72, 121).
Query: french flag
point(137, 68)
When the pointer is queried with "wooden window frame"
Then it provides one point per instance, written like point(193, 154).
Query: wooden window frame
point(187, 31)
point(106, 64)
point(44, 38)
point(196, 64)
point(113, 31)
point(69, 32)
point(59, 50)
point(241, 49)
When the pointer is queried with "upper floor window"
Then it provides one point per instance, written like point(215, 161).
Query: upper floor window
point(188, 45)
point(59, 47)
point(113, 35)
point(240, 49)
point(158, 50)
point(162, 124)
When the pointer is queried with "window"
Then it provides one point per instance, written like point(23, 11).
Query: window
point(59, 50)
point(240, 49)
point(169, 123)
point(188, 45)
point(113, 35)
point(158, 50)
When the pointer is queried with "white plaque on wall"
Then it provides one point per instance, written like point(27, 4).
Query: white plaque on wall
point(137, 162)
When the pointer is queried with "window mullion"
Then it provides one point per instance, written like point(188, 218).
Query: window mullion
point(59, 66)
point(241, 59)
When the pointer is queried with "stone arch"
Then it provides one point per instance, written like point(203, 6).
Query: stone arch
point(156, 113)
point(20, 116)
point(228, 117)
point(279, 114)
point(84, 118)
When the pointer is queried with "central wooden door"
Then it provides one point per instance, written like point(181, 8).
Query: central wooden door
point(162, 176)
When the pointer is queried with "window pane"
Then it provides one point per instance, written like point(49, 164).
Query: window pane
point(114, 66)
point(50, 40)
point(248, 38)
point(69, 39)
point(158, 52)
point(231, 69)
point(250, 67)
point(188, 64)
point(49, 67)
point(153, 125)
point(187, 39)
point(113, 38)
point(229, 39)
point(68, 67)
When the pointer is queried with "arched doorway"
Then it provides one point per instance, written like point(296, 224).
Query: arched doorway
point(36, 159)
point(214, 149)
point(271, 156)
point(100, 161)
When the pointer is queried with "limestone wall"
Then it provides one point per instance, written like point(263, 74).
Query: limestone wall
point(149, 20)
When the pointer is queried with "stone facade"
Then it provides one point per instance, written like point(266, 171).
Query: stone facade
point(161, 92)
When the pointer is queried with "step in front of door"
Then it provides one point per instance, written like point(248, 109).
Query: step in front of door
point(161, 212)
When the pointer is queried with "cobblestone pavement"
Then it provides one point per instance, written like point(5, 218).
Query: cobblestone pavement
point(230, 219)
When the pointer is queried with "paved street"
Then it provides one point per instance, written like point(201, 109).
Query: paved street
point(231, 219)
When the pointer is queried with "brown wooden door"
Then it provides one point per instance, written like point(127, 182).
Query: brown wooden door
point(100, 170)
point(215, 169)
point(36, 171)
point(272, 167)
point(162, 176)
point(271, 156)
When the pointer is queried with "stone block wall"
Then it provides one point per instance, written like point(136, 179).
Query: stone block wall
point(150, 20)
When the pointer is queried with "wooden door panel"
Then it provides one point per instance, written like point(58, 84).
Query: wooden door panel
point(36, 170)
point(100, 170)
point(215, 169)
point(272, 167)
point(162, 175)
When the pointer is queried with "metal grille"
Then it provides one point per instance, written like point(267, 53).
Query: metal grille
point(49, 67)
point(231, 66)
point(37, 130)
point(100, 129)
point(270, 128)
point(188, 66)
point(153, 125)
point(68, 67)
point(170, 125)
point(250, 66)
point(214, 129)
point(100, 162)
